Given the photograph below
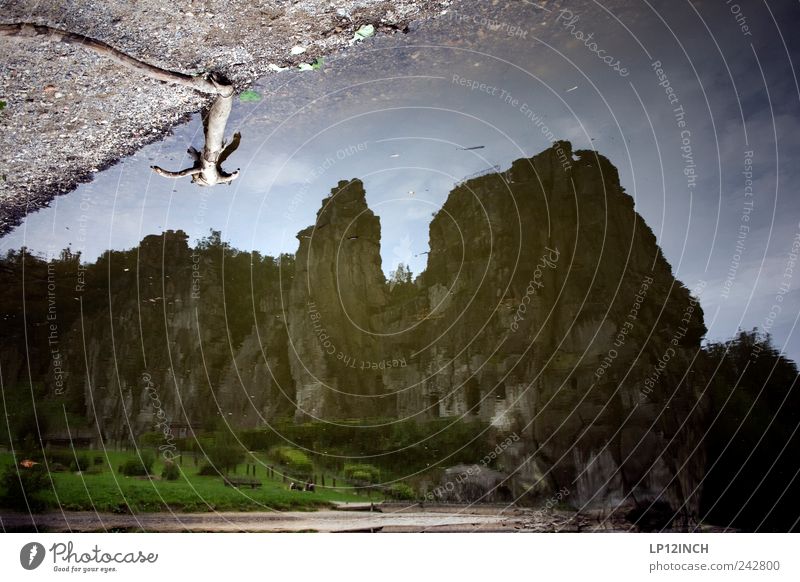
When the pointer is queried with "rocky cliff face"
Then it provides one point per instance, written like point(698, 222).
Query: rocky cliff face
point(194, 335)
point(546, 311)
point(336, 303)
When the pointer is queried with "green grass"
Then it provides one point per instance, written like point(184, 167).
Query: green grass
point(110, 491)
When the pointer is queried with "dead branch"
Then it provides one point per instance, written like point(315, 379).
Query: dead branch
point(203, 82)
point(179, 174)
point(207, 168)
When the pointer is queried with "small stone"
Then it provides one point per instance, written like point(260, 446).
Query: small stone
point(49, 89)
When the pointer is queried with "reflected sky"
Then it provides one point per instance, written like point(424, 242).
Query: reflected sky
point(402, 113)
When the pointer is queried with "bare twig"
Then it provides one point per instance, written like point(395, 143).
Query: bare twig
point(207, 167)
point(204, 82)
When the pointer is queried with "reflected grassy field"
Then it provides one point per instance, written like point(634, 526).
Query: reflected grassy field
point(103, 488)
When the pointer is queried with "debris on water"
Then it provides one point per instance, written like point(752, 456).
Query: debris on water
point(316, 65)
point(362, 33)
point(472, 148)
point(249, 96)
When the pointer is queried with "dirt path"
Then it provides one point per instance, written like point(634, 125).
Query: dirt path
point(67, 113)
point(385, 518)
point(293, 521)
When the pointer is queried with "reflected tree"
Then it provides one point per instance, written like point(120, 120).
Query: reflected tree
point(207, 168)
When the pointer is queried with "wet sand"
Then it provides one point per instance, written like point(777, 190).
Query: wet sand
point(291, 521)
point(357, 518)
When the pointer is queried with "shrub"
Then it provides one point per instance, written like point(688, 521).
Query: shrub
point(225, 453)
point(68, 458)
point(23, 487)
point(133, 468)
point(94, 470)
point(139, 466)
point(57, 468)
point(362, 472)
point(98, 460)
point(60, 456)
point(148, 458)
point(295, 460)
point(171, 472)
point(80, 463)
point(402, 491)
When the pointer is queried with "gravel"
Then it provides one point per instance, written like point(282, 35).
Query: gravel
point(70, 113)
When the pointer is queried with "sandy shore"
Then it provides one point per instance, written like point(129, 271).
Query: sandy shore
point(386, 518)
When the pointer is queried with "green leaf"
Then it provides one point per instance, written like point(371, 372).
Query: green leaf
point(315, 66)
point(249, 96)
point(2, 105)
point(365, 31)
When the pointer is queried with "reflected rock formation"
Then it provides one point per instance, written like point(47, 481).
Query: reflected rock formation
point(547, 310)
point(547, 317)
